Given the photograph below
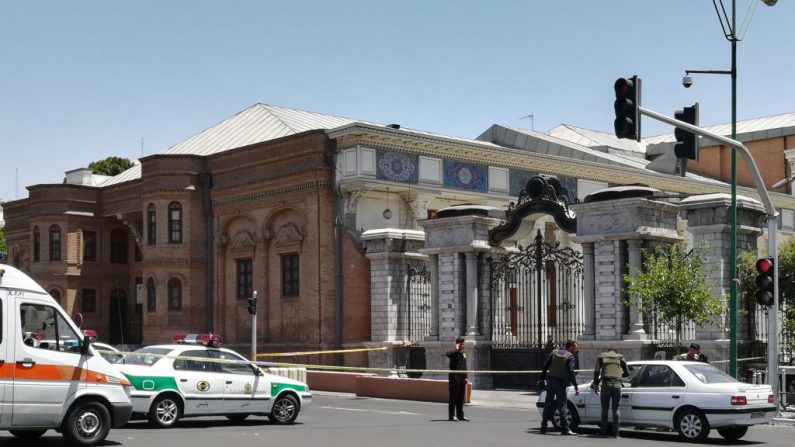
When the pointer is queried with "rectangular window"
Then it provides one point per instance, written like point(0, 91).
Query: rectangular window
point(290, 275)
point(55, 243)
point(89, 301)
point(89, 246)
point(45, 328)
point(244, 278)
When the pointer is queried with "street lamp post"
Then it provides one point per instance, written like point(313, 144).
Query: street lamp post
point(730, 32)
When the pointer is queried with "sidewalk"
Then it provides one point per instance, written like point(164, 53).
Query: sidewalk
point(523, 399)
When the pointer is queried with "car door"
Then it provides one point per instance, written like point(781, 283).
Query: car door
point(200, 383)
point(245, 389)
point(593, 402)
point(656, 393)
point(47, 365)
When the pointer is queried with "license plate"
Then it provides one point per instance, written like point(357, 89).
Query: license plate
point(757, 414)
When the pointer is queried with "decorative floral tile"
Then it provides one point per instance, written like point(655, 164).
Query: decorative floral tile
point(396, 166)
point(518, 180)
point(467, 176)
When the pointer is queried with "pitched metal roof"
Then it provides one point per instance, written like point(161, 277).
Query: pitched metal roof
point(596, 139)
point(747, 130)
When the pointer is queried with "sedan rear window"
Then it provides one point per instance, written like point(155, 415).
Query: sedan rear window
point(145, 356)
point(709, 374)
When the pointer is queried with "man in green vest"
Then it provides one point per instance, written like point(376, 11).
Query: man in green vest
point(557, 374)
point(610, 368)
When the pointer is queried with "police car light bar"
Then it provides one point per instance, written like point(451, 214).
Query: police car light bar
point(91, 334)
point(197, 339)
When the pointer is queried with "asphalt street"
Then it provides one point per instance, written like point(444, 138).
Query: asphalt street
point(342, 420)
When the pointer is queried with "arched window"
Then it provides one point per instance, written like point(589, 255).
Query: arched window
point(151, 225)
point(118, 246)
point(56, 295)
point(36, 244)
point(174, 295)
point(151, 296)
point(174, 223)
point(55, 243)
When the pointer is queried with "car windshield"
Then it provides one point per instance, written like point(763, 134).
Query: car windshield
point(144, 356)
point(709, 374)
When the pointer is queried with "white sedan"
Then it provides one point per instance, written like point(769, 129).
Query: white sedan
point(689, 397)
point(201, 379)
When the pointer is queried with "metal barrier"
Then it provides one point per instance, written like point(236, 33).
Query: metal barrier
point(298, 374)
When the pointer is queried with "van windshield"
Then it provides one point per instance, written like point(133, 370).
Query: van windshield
point(145, 356)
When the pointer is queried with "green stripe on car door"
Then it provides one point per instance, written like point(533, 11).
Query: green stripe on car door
point(152, 383)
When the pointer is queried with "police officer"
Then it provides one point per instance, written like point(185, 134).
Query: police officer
point(610, 368)
point(693, 354)
point(457, 381)
point(557, 374)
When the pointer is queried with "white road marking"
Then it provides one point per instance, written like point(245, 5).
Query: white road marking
point(408, 413)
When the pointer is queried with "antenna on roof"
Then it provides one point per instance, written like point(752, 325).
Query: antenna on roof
point(532, 121)
point(142, 146)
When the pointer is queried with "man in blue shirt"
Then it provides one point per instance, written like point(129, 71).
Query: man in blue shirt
point(557, 374)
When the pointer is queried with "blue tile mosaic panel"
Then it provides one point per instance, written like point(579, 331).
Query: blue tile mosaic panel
point(396, 166)
point(570, 184)
point(517, 180)
point(467, 176)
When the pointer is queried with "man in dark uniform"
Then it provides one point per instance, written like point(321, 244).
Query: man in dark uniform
point(457, 382)
point(557, 374)
point(693, 354)
point(610, 368)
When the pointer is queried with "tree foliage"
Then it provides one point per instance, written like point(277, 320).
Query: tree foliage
point(3, 247)
point(786, 288)
point(673, 288)
point(110, 166)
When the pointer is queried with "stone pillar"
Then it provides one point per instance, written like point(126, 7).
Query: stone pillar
point(789, 155)
point(434, 268)
point(472, 294)
point(389, 251)
point(610, 229)
point(636, 331)
point(418, 207)
point(589, 331)
point(708, 220)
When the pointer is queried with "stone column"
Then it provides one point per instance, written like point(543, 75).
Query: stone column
point(589, 331)
point(418, 207)
point(434, 268)
point(636, 331)
point(472, 293)
point(708, 220)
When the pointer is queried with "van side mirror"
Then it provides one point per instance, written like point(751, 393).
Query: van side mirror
point(85, 345)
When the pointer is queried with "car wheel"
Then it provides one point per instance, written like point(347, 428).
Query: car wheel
point(733, 433)
point(237, 418)
point(571, 416)
point(165, 411)
point(692, 425)
point(285, 409)
point(88, 423)
point(27, 434)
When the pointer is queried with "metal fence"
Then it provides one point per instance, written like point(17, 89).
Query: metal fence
point(415, 315)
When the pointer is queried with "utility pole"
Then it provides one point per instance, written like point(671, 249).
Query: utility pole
point(252, 309)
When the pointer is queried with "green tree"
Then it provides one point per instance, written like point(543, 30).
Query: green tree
point(110, 166)
point(3, 247)
point(673, 288)
point(786, 288)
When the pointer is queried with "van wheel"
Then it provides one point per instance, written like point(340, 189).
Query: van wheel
point(733, 433)
point(284, 410)
point(692, 425)
point(88, 423)
point(27, 434)
point(165, 411)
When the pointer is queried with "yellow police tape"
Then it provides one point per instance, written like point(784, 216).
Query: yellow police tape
point(336, 351)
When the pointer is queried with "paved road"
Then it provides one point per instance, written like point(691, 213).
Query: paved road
point(347, 421)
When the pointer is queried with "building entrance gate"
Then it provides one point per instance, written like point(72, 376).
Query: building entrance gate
point(536, 293)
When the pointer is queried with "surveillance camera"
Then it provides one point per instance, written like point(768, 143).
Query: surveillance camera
point(687, 81)
point(769, 2)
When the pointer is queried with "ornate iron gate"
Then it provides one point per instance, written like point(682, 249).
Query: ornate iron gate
point(416, 312)
point(536, 293)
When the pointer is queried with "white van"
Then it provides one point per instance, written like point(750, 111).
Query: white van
point(51, 376)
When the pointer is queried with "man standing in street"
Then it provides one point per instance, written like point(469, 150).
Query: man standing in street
point(693, 354)
point(557, 374)
point(610, 368)
point(457, 382)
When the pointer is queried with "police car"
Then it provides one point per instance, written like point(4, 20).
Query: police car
point(689, 397)
point(195, 377)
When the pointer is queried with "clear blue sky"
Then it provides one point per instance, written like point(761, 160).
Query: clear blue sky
point(83, 80)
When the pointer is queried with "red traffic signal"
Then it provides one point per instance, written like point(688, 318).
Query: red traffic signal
point(627, 122)
point(765, 282)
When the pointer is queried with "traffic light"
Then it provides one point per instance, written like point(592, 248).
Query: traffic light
point(627, 123)
point(686, 142)
point(252, 305)
point(764, 282)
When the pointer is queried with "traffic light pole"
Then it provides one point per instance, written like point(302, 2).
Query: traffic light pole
point(772, 221)
point(254, 331)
